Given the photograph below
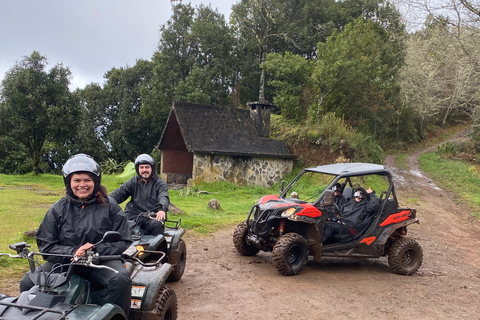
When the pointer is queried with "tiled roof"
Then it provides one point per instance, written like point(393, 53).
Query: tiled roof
point(221, 130)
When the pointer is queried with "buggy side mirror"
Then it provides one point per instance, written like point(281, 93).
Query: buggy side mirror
point(329, 198)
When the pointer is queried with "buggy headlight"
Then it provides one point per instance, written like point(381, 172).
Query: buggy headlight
point(288, 213)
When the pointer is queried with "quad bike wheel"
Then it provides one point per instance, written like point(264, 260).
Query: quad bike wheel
point(240, 241)
point(290, 254)
point(165, 307)
point(405, 256)
point(179, 267)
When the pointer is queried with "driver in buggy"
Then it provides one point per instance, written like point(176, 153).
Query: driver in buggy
point(351, 215)
point(79, 219)
point(148, 192)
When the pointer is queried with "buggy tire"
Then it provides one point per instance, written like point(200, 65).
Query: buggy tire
point(240, 241)
point(405, 256)
point(165, 307)
point(179, 267)
point(290, 254)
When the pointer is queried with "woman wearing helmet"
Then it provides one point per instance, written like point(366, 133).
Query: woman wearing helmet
point(81, 218)
point(148, 192)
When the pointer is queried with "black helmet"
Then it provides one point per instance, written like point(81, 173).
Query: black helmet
point(81, 163)
point(145, 159)
point(338, 187)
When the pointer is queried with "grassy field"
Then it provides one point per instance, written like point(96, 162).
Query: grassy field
point(457, 176)
point(25, 199)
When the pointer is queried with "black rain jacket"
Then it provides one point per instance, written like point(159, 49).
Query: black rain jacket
point(353, 212)
point(145, 196)
point(70, 223)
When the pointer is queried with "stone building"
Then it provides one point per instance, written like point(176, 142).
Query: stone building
point(210, 143)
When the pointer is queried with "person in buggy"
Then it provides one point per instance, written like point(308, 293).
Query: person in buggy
point(79, 219)
point(148, 192)
point(351, 215)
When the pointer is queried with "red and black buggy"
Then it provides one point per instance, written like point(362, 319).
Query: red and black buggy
point(291, 228)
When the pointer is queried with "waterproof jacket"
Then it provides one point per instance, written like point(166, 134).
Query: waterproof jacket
point(353, 212)
point(70, 223)
point(151, 195)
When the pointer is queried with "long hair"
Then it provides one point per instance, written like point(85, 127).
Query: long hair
point(102, 195)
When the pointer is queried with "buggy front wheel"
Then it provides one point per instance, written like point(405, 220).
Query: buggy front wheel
point(290, 254)
point(405, 256)
point(240, 241)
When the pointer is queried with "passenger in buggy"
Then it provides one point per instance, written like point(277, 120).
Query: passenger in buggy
point(349, 222)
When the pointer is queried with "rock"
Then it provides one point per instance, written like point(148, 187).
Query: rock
point(30, 233)
point(174, 209)
point(294, 194)
point(214, 204)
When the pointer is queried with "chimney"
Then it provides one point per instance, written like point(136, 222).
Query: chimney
point(260, 114)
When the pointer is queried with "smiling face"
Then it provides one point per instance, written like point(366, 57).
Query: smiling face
point(82, 185)
point(145, 170)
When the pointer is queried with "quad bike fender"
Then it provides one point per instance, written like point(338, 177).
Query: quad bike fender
point(388, 231)
point(152, 279)
point(173, 237)
point(96, 312)
point(14, 308)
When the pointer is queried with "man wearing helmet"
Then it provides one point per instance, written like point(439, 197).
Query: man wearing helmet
point(148, 192)
point(78, 220)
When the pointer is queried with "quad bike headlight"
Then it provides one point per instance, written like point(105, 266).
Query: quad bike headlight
point(288, 213)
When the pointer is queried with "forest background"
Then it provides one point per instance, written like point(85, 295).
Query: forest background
point(352, 77)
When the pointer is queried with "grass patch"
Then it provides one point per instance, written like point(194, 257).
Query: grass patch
point(457, 176)
point(401, 161)
point(24, 200)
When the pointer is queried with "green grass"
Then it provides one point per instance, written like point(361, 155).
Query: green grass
point(401, 161)
point(458, 176)
point(24, 200)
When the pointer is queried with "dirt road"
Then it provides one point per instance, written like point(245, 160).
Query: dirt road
point(220, 284)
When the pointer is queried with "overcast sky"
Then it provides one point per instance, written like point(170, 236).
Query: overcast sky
point(87, 36)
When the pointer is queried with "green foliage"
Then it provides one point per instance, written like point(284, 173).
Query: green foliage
point(291, 74)
point(447, 150)
point(340, 137)
point(37, 106)
point(111, 166)
point(355, 76)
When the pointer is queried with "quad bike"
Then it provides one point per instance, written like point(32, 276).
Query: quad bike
point(170, 242)
point(292, 229)
point(66, 295)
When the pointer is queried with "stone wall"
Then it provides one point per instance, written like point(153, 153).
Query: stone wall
point(240, 170)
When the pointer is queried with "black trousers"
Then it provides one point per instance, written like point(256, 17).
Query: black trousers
point(106, 285)
point(151, 226)
point(337, 231)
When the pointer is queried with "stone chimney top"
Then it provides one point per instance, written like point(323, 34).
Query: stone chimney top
point(260, 114)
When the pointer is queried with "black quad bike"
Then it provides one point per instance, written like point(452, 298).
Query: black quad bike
point(66, 295)
point(292, 229)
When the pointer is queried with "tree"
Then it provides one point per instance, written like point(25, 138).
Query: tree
point(355, 76)
point(291, 76)
point(92, 136)
point(125, 127)
point(274, 26)
point(37, 106)
point(194, 52)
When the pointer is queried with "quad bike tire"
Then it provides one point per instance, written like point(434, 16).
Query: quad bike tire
point(240, 241)
point(179, 267)
point(405, 256)
point(165, 307)
point(290, 254)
